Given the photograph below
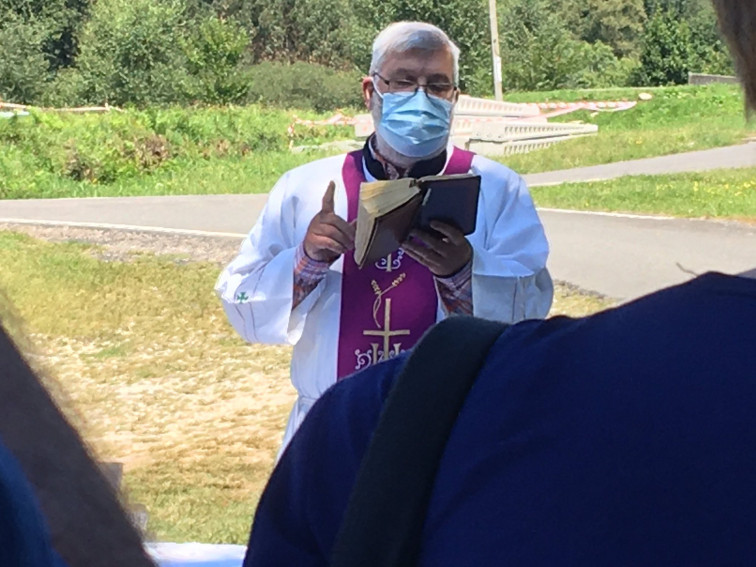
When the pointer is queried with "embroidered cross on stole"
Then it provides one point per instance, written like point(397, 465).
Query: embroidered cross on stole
point(385, 307)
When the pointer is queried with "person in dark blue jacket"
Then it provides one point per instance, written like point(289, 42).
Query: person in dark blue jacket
point(622, 438)
point(24, 539)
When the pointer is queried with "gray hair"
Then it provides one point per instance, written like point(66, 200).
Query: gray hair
point(400, 37)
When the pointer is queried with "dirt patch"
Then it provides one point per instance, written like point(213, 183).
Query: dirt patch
point(125, 244)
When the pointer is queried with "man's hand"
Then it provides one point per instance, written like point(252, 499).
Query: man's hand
point(444, 255)
point(328, 235)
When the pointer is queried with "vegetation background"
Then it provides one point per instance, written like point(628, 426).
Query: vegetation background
point(311, 53)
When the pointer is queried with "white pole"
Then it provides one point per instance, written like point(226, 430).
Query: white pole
point(495, 52)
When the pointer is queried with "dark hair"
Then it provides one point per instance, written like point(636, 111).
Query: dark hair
point(737, 20)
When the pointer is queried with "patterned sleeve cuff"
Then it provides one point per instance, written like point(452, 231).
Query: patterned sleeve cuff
point(307, 269)
point(455, 291)
point(308, 273)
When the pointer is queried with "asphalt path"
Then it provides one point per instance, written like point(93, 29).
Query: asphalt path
point(729, 157)
point(620, 256)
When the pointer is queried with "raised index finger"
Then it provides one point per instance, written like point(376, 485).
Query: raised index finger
point(328, 200)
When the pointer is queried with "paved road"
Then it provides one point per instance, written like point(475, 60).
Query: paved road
point(620, 256)
point(743, 155)
point(627, 256)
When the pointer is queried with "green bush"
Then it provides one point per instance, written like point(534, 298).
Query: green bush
point(48, 148)
point(304, 85)
point(131, 53)
point(67, 89)
point(61, 20)
point(709, 54)
point(539, 52)
point(595, 66)
point(24, 70)
point(666, 51)
point(215, 52)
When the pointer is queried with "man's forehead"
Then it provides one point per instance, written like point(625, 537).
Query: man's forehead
point(426, 62)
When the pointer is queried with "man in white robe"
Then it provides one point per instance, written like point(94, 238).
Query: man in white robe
point(295, 281)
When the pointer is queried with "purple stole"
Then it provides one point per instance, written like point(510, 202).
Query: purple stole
point(385, 307)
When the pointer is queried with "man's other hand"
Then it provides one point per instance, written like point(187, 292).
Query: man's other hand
point(443, 254)
point(328, 235)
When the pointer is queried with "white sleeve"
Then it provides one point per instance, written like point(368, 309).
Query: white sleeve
point(510, 281)
point(256, 288)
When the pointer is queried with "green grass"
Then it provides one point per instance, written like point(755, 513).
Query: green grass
point(207, 500)
point(142, 360)
point(255, 174)
point(722, 194)
point(245, 150)
point(676, 119)
point(143, 352)
point(152, 152)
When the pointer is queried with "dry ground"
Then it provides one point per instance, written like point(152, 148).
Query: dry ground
point(196, 417)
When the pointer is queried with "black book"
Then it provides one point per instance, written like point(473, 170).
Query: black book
point(389, 210)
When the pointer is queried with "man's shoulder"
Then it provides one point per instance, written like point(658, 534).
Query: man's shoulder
point(687, 313)
point(489, 168)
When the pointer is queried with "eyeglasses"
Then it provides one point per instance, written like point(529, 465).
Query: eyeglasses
point(440, 90)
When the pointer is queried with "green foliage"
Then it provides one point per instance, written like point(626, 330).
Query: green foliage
point(709, 53)
point(539, 52)
point(682, 9)
point(56, 155)
point(681, 36)
point(215, 52)
point(304, 85)
point(131, 52)
point(142, 53)
point(595, 65)
point(617, 23)
point(145, 53)
point(61, 19)
point(666, 51)
point(23, 65)
point(465, 21)
point(318, 31)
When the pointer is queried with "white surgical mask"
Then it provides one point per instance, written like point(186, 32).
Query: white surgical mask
point(414, 124)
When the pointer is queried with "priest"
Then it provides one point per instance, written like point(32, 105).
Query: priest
point(295, 280)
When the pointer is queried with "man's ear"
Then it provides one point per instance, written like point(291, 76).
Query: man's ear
point(367, 90)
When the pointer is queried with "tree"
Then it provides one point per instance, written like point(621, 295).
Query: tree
point(23, 66)
point(666, 50)
point(540, 51)
point(317, 31)
point(62, 20)
point(709, 54)
point(215, 52)
point(132, 52)
point(617, 23)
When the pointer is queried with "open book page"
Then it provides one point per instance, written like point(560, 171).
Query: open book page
point(389, 210)
point(385, 213)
